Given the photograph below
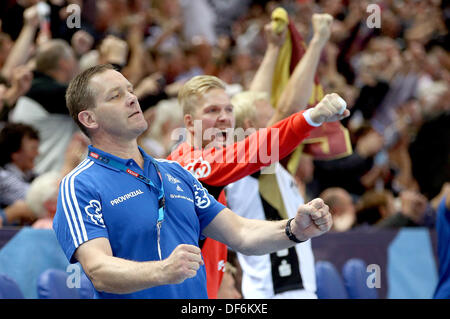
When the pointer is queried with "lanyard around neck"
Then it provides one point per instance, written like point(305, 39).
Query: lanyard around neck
point(116, 164)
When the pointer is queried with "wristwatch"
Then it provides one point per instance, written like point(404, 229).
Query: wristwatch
point(290, 234)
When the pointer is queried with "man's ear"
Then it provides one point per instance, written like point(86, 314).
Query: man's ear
point(248, 123)
point(88, 119)
point(189, 123)
point(15, 157)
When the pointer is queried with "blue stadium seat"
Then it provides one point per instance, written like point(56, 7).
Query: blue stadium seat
point(52, 284)
point(9, 288)
point(329, 282)
point(355, 276)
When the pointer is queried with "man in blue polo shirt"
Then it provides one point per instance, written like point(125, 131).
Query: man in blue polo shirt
point(443, 232)
point(134, 222)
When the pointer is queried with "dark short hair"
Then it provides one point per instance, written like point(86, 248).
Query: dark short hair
point(11, 137)
point(48, 55)
point(79, 95)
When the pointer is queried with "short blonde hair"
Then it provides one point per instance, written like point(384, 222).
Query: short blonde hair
point(194, 88)
point(244, 105)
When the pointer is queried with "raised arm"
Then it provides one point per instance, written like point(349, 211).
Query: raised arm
point(262, 82)
point(22, 47)
point(298, 90)
point(222, 166)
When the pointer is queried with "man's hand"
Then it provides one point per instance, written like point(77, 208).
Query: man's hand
point(182, 263)
point(31, 17)
point(113, 50)
point(414, 205)
point(274, 38)
point(331, 108)
point(313, 219)
point(369, 144)
point(322, 27)
point(21, 78)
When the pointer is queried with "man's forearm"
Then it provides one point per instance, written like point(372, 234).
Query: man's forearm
point(298, 90)
point(20, 51)
point(264, 237)
point(121, 276)
point(262, 82)
point(249, 236)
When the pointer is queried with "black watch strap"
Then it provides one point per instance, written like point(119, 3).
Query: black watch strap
point(289, 233)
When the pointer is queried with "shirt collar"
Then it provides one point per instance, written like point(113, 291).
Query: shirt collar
point(123, 161)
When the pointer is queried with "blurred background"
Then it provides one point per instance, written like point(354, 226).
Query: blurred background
point(395, 78)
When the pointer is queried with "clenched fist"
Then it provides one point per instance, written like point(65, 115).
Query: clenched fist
point(331, 108)
point(182, 263)
point(322, 26)
point(113, 50)
point(313, 219)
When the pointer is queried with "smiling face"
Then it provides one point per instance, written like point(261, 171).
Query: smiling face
point(117, 112)
point(215, 112)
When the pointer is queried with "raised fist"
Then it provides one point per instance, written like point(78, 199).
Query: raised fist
point(273, 37)
point(331, 108)
point(322, 26)
point(113, 50)
point(313, 219)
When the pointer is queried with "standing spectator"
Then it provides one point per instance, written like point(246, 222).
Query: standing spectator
point(269, 195)
point(414, 211)
point(42, 199)
point(341, 207)
point(44, 105)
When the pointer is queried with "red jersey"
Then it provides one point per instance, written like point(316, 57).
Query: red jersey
point(217, 167)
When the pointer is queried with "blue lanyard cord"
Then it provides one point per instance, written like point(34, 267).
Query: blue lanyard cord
point(142, 178)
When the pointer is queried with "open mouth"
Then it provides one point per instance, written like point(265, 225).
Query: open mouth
point(221, 136)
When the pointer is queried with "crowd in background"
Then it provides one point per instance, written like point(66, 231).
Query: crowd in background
point(395, 80)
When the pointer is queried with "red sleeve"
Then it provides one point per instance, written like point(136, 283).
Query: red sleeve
point(222, 166)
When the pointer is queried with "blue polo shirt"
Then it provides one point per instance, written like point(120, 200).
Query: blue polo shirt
point(443, 233)
point(99, 200)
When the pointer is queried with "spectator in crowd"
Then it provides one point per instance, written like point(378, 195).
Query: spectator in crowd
point(19, 144)
point(415, 210)
point(16, 214)
point(42, 199)
point(269, 194)
point(44, 108)
point(166, 118)
point(374, 207)
point(341, 207)
point(347, 172)
point(11, 91)
point(228, 288)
